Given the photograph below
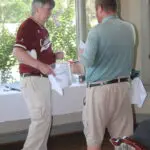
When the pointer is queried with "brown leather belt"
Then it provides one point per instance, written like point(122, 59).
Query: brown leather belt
point(31, 74)
point(108, 82)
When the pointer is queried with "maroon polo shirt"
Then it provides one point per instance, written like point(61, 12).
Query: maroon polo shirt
point(32, 36)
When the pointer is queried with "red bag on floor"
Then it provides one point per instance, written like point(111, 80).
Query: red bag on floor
point(140, 140)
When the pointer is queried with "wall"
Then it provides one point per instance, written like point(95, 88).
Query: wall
point(137, 12)
point(131, 11)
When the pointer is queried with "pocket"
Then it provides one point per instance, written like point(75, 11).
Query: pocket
point(84, 101)
point(23, 83)
point(84, 116)
point(84, 111)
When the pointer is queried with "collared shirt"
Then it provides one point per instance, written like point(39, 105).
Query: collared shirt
point(32, 37)
point(109, 50)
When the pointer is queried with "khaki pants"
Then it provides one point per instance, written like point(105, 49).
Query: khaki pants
point(107, 106)
point(37, 95)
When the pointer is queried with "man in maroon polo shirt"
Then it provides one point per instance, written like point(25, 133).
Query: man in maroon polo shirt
point(34, 52)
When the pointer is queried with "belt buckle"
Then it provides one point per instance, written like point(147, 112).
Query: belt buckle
point(42, 75)
point(23, 75)
point(104, 82)
point(88, 85)
point(118, 80)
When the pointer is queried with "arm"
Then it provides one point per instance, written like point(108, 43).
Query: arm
point(134, 72)
point(23, 57)
point(135, 45)
point(89, 54)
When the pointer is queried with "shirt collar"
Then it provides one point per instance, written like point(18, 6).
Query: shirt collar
point(108, 18)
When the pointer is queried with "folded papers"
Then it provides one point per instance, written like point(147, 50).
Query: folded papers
point(55, 85)
point(138, 92)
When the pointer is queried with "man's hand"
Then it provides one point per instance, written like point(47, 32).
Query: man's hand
point(45, 68)
point(59, 55)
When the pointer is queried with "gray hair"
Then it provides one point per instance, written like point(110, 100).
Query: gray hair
point(36, 5)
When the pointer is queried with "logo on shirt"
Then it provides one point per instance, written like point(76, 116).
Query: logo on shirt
point(45, 44)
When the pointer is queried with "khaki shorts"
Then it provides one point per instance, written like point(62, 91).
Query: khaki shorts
point(107, 106)
point(124, 147)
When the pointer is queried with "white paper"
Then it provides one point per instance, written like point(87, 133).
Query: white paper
point(138, 92)
point(55, 84)
point(13, 86)
point(63, 74)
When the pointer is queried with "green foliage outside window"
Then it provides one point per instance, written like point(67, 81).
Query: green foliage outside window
point(62, 30)
point(6, 58)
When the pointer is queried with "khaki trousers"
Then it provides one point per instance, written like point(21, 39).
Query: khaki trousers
point(107, 106)
point(37, 95)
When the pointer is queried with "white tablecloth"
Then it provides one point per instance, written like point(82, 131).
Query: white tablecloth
point(13, 107)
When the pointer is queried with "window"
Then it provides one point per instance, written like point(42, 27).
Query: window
point(91, 14)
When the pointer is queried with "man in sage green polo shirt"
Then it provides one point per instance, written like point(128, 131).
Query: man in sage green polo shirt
point(108, 60)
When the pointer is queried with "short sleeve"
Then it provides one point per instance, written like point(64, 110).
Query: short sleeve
point(26, 37)
point(91, 48)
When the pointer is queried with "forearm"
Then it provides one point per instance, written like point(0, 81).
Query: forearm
point(23, 57)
